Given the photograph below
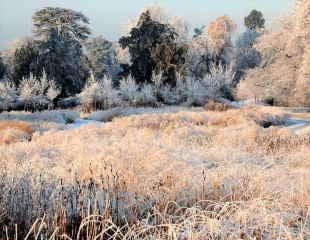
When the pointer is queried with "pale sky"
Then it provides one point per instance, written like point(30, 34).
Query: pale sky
point(106, 17)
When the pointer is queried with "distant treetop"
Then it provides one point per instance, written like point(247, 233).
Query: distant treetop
point(255, 20)
point(66, 22)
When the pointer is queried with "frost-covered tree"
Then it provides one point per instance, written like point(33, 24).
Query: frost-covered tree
point(62, 60)
point(255, 20)
point(59, 33)
point(247, 39)
point(161, 15)
point(199, 57)
point(21, 59)
point(101, 55)
point(213, 46)
point(68, 23)
point(283, 71)
point(302, 32)
point(247, 57)
point(153, 47)
point(302, 94)
point(219, 34)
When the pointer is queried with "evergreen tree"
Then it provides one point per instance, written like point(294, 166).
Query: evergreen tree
point(59, 33)
point(2, 68)
point(62, 61)
point(198, 31)
point(255, 20)
point(153, 48)
point(24, 61)
point(247, 57)
point(67, 23)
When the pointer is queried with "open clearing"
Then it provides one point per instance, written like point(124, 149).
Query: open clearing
point(138, 171)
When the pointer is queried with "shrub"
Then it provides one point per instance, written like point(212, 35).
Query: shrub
point(8, 94)
point(38, 92)
point(136, 94)
point(99, 94)
point(192, 91)
point(187, 91)
point(129, 89)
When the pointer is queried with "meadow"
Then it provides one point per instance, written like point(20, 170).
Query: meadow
point(174, 173)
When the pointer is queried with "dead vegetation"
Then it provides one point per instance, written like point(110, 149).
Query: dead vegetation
point(14, 131)
point(178, 175)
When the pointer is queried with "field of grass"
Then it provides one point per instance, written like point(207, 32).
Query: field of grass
point(179, 174)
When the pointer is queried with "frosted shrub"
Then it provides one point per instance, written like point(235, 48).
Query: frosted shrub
point(166, 93)
point(53, 91)
point(90, 91)
point(38, 92)
point(218, 82)
point(136, 94)
point(28, 89)
point(187, 91)
point(196, 93)
point(147, 94)
point(129, 89)
point(99, 94)
point(8, 94)
point(192, 91)
point(108, 95)
point(173, 95)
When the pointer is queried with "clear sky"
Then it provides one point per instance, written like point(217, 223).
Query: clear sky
point(107, 16)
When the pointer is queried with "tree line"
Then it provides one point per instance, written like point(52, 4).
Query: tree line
point(61, 51)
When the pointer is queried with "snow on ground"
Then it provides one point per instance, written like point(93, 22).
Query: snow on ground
point(82, 122)
point(298, 122)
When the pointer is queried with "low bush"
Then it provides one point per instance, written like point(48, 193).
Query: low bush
point(99, 94)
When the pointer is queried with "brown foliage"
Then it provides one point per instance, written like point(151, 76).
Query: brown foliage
point(12, 131)
point(215, 106)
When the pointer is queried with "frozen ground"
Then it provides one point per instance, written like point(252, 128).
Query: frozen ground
point(82, 122)
point(128, 164)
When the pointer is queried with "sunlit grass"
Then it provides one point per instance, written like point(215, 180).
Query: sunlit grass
point(170, 175)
